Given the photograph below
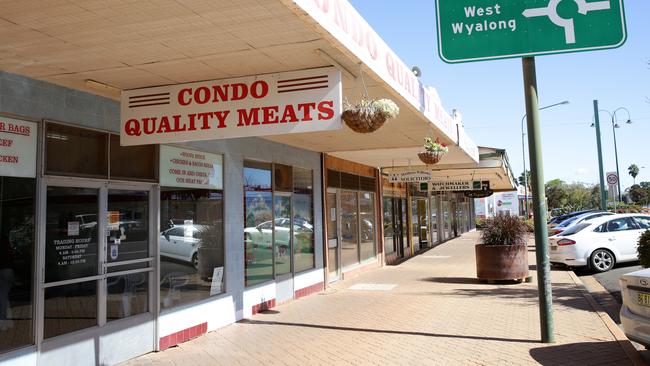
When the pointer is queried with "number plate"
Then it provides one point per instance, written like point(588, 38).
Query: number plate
point(643, 299)
point(553, 247)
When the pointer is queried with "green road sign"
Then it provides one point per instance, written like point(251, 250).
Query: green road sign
point(473, 30)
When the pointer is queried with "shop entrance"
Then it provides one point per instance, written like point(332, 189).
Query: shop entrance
point(98, 245)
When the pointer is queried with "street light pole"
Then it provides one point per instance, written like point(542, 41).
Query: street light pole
point(523, 153)
point(615, 125)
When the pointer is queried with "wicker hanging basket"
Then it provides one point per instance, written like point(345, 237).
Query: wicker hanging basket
point(369, 115)
point(431, 157)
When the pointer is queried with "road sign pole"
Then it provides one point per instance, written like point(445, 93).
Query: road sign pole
point(539, 201)
point(603, 193)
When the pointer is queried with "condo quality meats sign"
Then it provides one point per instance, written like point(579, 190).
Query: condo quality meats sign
point(273, 104)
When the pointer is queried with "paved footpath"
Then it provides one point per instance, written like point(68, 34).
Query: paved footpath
point(436, 313)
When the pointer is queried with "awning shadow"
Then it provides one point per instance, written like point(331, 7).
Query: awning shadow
point(384, 331)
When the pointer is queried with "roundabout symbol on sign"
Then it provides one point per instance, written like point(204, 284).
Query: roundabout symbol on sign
point(612, 179)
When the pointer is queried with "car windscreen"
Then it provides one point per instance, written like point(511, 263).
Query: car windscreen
point(575, 229)
point(567, 222)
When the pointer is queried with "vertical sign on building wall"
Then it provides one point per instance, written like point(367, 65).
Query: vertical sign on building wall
point(17, 148)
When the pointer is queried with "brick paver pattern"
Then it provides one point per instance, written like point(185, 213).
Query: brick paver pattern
point(438, 314)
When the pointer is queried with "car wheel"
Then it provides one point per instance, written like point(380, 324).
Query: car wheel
point(195, 260)
point(602, 260)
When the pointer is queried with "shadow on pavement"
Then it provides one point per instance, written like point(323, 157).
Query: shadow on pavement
point(384, 331)
point(566, 295)
point(585, 353)
point(454, 280)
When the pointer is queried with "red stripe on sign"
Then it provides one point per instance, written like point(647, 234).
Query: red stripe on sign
point(148, 95)
point(15, 133)
point(148, 100)
point(299, 89)
point(301, 79)
point(146, 105)
point(300, 84)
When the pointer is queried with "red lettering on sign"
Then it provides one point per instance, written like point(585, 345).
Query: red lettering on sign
point(306, 108)
point(325, 110)
point(8, 159)
point(182, 99)
point(289, 114)
point(270, 115)
point(6, 142)
point(248, 117)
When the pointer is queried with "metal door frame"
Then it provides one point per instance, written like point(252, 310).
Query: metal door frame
point(102, 186)
point(337, 276)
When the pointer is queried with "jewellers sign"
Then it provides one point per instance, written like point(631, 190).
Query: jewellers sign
point(455, 185)
point(273, 104)
point(409, 176)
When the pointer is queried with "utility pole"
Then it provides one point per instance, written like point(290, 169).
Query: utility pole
point(539, 201)
point(603, 193)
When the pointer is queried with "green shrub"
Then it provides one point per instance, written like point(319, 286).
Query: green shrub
point(644, 249)
point(479, 222)
point(530, 224)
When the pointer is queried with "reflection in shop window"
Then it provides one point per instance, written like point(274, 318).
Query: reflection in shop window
point(367, 222)
point(303, 219)
point(16, 256)
point(258, 223)
point(191, 245)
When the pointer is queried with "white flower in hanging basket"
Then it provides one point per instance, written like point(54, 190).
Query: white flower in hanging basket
point(368, 114)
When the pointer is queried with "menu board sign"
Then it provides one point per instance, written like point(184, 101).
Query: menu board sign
point(17, 148)
point(190, 169)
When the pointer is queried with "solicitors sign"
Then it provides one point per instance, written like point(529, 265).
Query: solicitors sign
point(273, 104)
point(409, 176)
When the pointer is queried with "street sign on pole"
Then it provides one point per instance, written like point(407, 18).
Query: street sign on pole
point(612, 178)
point(472, 30)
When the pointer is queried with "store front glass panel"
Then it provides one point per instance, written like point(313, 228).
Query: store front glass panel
point(282, 233)
point(191, 245)
point(389, 232)
point(303, 219)
point(349, 229)
point(433, 222)
point(75, 151)
point(332, 235)
point(17, 196)
point(258, 223)
point(127, 240)
point(71, 253)
point(403, 213)
point(446, 218)
point(367, 221)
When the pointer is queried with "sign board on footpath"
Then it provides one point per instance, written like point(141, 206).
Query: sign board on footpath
point(273, 104)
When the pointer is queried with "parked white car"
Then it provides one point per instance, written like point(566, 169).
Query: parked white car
point(181, 242)
point(573, 221)
point(599, 243)
point(635, 311)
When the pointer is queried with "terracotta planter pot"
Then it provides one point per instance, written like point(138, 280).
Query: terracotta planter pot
point(501, 262)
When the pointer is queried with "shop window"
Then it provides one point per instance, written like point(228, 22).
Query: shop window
point(279, 227)
point(349, 228)
point(75, 151)
point(389, 231)
point(191, 245)
point(17, 197)
point(367, 225)
point(69, 308)
point(132, 162)
point(303, 219)
point(258, 223)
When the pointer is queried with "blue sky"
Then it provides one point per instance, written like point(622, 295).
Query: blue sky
point(490, 94)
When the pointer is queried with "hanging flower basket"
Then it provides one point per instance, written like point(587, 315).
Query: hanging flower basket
point(433, 151)
point(369, 115)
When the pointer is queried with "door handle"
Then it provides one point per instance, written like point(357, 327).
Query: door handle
point(611, 239)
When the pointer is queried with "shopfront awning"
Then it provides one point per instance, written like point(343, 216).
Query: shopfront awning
point(106, 47)
point(493, 167)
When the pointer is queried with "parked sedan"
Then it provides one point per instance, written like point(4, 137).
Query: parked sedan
point(599, 243)
point(182, 243)
point(635, 311)
point(573, 221)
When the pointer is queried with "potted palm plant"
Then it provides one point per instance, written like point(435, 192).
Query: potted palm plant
point(368, 114)
point(502, 253)
point(433, 151)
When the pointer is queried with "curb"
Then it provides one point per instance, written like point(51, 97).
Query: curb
point(613, 328)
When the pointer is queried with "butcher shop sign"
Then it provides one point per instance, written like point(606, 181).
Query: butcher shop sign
point(273, 104)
